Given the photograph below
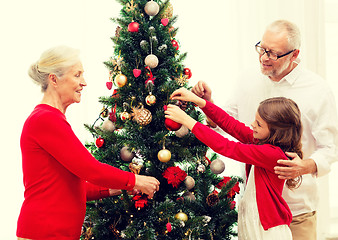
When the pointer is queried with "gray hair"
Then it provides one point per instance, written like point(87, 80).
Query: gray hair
point(56, 60)
point(293, 33)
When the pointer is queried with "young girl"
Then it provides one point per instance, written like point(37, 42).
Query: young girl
point(262, 212)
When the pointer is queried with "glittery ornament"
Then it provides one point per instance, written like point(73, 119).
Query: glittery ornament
point(151, 60)
point(212, 198)
point(126, 155)
point(150, 100)
point(108, 126)
point(141, 115)
point(217, 166)
point(181, 216)
point(189, 182)
point(151, 8)
point(120, 80)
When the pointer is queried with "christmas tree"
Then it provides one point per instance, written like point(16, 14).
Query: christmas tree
point(131, 133)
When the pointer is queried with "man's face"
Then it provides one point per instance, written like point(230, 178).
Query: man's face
point(276, 43)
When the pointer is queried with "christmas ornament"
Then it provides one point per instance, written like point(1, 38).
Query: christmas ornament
point(172, 32)
point(117, 31)
point(164, 155)
point(201, 168)
point(212, 198)
point(135, 168)
point(144, 45)
point(171, 125)
point(104, 112)
point(151, 60)
point(232, 192)
point(150, 78)
point(109, 85)
point(133, 27)
point(141, 115)
point(116, 64)
point(120, 80)
point(181, 216)
point(151, 8)
point(136, 72)
point(182, 80)
point(141, 200)
point(182, 131)
point(175, 44)
point(189, 196)
point(187, 72)
point(164, 21)
point(99, 142)
point(124, 116)
point(163, 48)
point(126, 155)
point(168, 226)
point(108, 126)
point(189, 182)
point(131, 6)
point(217, 166)
point(174, 175)
point(150, 100)
point(168, 12)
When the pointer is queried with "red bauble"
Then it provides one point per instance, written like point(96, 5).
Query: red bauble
point(175, 44)
point(187, 72)
point(99, 142)
point(172, 125)
point(133, 27)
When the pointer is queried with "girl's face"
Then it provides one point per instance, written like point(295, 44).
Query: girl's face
point(260, 128)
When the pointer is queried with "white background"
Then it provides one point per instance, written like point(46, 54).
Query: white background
point(27, 28)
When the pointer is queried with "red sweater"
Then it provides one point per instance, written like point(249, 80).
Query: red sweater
point(57, 169)
point(272, 208)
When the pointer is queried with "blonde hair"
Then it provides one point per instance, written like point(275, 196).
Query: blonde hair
point(56, 60)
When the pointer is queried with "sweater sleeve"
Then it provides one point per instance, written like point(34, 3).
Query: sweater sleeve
point(94, 192)
point(228, 124)
point(54, 134)
point(264, 156)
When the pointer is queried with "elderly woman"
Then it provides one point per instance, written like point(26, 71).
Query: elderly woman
point(59, 173)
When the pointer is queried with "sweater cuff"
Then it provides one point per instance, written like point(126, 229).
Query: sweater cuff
point(131, 182)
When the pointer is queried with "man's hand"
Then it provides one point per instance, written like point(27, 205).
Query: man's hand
point(202, 90)
point(295, 167)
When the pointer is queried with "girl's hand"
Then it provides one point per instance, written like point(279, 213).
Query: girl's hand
point(176, 114)
point(184, 94)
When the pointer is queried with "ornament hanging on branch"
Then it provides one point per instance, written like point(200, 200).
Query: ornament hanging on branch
point(164, 21)
point(133, 27)
point(175, 44)
point(141, 115)
point(212, 199)
point(182, 80)
point(136, 165)
point(131, 6)
point(171, 125)
point(120, 80)
point(125, 115)
point(217, 166)
point(137, 72)
point(108, 125)
point(189, 182)
point(187, 72)
point(99, 142)
point(104, 112)
point(126, 155)
point(164, 155)
point(181, 216)
point(151, 60)
point(151, 8)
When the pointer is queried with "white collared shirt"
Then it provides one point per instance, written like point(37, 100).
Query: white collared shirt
point(319, 118)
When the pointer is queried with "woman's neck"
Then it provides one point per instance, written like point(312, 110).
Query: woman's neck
point(52, 99)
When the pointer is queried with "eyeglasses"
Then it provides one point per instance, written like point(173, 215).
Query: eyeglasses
point(273, 56)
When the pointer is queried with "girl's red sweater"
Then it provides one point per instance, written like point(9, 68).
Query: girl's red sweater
point(59, 176)
point(272, 208)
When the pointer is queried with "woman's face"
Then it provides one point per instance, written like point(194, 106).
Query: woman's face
point(260, 128)
point(71, 84)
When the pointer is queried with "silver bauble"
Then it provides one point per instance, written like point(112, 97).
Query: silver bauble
point(151, 8)
point(217, 166)
point(126, 155)
point(189, 182)
point(151, 60)
point(108, 126)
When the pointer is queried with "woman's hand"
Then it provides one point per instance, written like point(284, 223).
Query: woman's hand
point(176, 114)
point(147, 185)
point(184, 94)
point(114, 192)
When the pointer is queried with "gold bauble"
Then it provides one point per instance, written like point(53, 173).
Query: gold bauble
point(120, 80)
point(125, 116)
point(150, 100)
point(142, 116)
point(181, 216)
point(164, 155)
